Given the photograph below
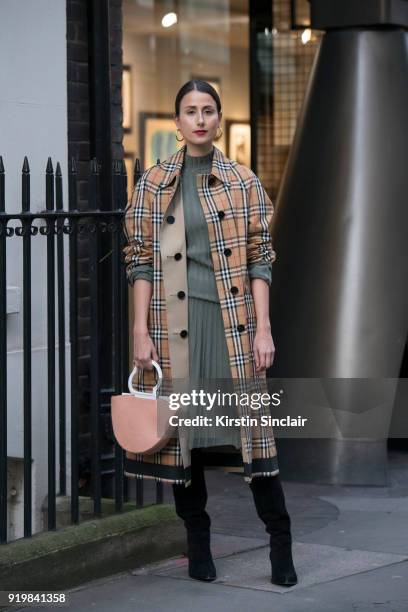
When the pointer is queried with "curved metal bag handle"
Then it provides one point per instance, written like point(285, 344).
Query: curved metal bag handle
point(155, 388)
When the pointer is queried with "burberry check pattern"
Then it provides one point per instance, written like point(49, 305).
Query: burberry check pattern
point(238, 213)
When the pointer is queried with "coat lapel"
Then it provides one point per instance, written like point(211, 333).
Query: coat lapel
point(174, 266)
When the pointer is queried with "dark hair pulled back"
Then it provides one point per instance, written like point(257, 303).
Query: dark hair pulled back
point(199, 85)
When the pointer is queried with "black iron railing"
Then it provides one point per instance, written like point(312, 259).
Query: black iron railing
point(70, 224)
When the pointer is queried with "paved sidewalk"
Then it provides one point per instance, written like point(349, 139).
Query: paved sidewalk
point(350, 552)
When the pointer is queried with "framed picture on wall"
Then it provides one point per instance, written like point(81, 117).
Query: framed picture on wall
point(239, 141)
point(129, 160)
point(157, 138)
point(127, 99)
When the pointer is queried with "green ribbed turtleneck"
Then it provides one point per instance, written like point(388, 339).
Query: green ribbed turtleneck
point(200, 271)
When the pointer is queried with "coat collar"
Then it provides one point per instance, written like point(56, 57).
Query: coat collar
point(172, 166)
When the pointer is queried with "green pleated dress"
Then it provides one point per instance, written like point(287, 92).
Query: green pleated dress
point(208, 353)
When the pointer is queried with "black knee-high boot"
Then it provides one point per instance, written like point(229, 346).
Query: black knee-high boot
point(190, 505)
point(271, 508)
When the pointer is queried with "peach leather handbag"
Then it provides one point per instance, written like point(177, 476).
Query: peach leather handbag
point(140, 420)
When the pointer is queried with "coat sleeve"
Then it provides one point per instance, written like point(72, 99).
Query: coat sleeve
point(138, 230)
point(259, 241)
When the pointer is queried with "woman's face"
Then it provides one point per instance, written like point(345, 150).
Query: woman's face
point(199, 119)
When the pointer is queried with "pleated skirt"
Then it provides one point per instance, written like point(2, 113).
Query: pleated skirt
point(210, 371)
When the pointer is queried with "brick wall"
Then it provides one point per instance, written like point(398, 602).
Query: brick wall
point(79, 148)
point(116, 76)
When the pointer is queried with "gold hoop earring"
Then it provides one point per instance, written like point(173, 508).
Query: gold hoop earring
point(218, 136)
point(179, 139)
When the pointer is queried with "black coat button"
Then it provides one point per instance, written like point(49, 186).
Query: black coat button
point(181, 295)
point(240, 327)
point(234, 290)
point(183, 333)
point(221, 214)
point(178, 256)
point(170, 219)
point(227, 252)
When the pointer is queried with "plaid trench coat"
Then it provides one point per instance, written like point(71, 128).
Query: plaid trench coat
point(238, 212)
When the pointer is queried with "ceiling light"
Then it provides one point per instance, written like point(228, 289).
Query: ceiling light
point(306, 35)
point(169, 19)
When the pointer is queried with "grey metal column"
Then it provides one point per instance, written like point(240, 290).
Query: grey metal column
point(339, 298)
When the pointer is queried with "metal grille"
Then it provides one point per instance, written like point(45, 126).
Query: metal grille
point(286, 51)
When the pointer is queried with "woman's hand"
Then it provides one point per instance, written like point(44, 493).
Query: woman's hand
point(264, 349)
point(143, 350)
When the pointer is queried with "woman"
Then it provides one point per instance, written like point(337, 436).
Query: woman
point(199, 257)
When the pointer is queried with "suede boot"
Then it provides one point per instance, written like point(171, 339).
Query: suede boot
point(190, 505)
point(270, 505)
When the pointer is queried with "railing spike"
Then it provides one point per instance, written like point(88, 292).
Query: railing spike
point(1, 165)
point(50, 168)
point(58, 170)
point(25, 186)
